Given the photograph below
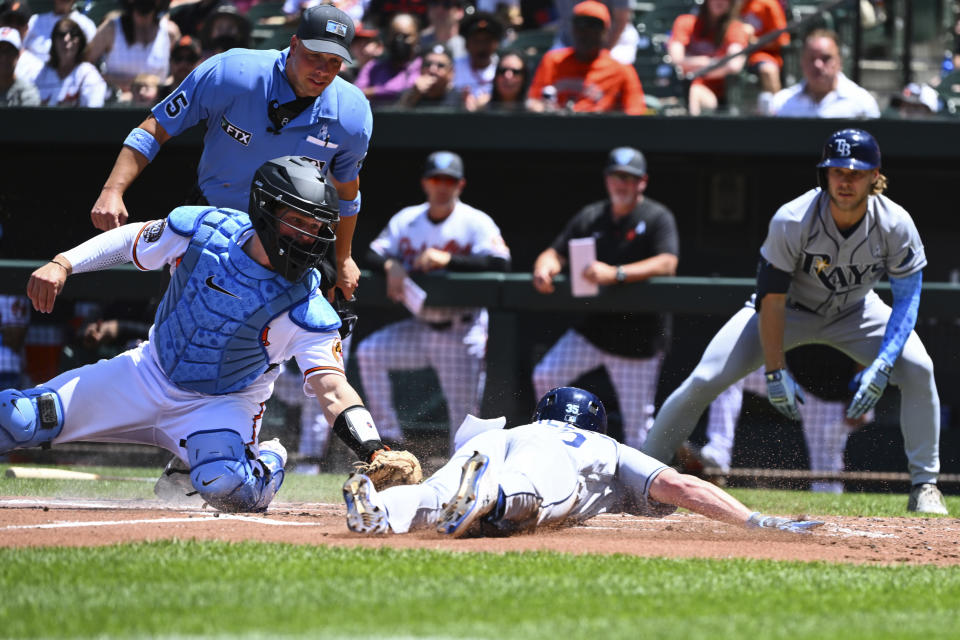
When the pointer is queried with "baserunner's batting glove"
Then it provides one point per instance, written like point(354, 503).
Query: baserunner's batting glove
point(792, 525)
point(869, 385)
point(784, 393)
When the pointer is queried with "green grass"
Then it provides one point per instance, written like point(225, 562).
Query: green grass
point(253, 590)
point(206, 589)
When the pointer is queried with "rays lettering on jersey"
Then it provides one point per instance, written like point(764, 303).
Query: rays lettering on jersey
point(408, 251)
point(837, 277)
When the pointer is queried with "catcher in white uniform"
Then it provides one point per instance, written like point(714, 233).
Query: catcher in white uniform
point(559, 469)
point(243, 297)
point(824, 252)
point(441, 234)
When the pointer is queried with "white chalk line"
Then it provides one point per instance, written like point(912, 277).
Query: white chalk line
point(200, 518)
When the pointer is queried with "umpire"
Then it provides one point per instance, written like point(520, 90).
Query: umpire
point(260, 105)
point(636, 239)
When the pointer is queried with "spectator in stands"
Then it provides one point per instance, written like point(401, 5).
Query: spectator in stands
point(584, 77)
point(67, 80)
point(383, 81)
point(444, 17)
point(137, 41)
point(38, 41)
point(14, 90)
point(698, 41)
point(824, 91)
point(184, 58)
point(191, 17)
point(223, 30)
point(367, 45)
point(636, 239)
point(510, 85)
point(381, 12)
point(915, 101)
point(621, 37)
point(760, 17)
point(473, 73)
point(145, 90)
point(434, 86)
point(16, 14)
point(440, 235)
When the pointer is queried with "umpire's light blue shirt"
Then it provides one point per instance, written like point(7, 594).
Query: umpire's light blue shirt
point(231, 91)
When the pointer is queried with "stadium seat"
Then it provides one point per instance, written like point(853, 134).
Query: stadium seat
point(949, 90)
point(659, 18)
point(277, 38)
point(270, 9)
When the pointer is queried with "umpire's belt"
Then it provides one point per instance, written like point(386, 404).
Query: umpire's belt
point(443, 325)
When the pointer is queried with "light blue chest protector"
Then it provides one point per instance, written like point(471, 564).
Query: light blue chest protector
point(209, 331)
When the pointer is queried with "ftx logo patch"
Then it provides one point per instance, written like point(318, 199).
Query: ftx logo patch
point(235, 132)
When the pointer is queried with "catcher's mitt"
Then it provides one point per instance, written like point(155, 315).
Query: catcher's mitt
point(390, 468)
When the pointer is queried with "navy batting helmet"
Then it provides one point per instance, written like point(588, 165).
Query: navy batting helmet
point(848, 149)
point(575, 406)
point(293, 182)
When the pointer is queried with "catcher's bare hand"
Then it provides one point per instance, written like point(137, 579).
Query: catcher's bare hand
point(46, 283)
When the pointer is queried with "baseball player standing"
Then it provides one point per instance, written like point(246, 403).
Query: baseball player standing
point(636, 239)
point(441, 234)
point(823, 253)
point(259, 105)
point(561, 468)
point(243, 298)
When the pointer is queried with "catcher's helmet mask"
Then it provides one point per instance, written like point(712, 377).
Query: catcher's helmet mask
point(574, 406)
point(848, 149)
point(295, 183)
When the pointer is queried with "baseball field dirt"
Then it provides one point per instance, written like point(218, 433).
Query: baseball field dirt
point(63, 522)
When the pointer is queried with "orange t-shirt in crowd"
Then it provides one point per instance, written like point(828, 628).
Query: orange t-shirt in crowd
point(697, 42)
point(766, 16)
point(600, 85)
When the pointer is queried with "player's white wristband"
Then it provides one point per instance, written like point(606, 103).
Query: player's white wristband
point(350, 208)
point(141, 140)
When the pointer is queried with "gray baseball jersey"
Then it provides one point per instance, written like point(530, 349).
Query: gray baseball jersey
point(830, 301)
point(550, 473)
point(831, 273)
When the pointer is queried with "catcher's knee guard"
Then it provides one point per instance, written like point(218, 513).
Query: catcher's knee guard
point(223, 472)
point(29, 417)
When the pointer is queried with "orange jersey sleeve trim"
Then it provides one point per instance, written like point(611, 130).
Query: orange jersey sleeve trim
point(136, 242)
point(324, 369)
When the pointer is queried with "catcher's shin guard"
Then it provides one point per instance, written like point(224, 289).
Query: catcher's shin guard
point(223, 472)
point(29, 418)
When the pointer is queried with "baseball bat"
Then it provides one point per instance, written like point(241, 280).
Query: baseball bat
point(43, 473)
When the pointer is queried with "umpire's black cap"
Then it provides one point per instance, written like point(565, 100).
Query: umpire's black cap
point(326, 29)
point(626, 160)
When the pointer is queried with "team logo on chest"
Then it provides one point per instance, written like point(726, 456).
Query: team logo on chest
point(837, 277)
point(235, 132)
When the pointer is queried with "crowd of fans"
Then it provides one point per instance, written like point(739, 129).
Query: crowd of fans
point(455, 54)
